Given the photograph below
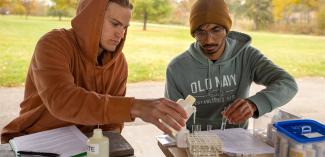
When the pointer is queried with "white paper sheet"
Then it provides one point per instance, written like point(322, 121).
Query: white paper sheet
point(66, 141)
point(240, 141)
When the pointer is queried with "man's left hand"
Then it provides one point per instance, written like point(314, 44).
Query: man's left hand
point(239, 111)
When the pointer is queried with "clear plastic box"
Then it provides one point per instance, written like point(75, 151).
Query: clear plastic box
point(300, 138)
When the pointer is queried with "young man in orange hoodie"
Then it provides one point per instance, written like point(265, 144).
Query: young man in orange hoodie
point(78, 77)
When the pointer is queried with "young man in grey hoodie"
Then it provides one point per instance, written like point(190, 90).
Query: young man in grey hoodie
point(219, 68)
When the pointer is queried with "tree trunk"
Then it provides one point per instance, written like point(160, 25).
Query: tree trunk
point(145, 19)
point(60, 17)
point(26, 16)
point(256, 24)
point(308, 16)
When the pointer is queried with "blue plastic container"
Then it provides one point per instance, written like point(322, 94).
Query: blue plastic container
point(302, 130)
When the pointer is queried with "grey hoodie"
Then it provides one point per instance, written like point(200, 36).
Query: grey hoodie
point(216, 84)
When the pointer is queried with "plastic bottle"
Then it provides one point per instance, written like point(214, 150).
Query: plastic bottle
point(297, 151)
point(98, 145)
point(181, 138)
point(310, 151)
point(187, 105)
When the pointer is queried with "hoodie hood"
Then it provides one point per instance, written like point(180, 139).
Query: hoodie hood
point(87, 27)
point(236, 42)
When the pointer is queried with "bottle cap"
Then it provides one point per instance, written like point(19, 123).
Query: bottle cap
point(98, 133)
point(190, 99)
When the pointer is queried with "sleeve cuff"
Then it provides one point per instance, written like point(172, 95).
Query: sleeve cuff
point(262, 104)
point(119, 109)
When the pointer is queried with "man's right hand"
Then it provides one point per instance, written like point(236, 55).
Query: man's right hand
point(160, 112)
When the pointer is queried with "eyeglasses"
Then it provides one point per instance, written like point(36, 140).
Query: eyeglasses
point(214, 32)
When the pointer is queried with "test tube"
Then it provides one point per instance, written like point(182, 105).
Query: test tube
point(194, 115)
point(223, 123)
point(209, 127)
point(196, 128)
point(210, 147)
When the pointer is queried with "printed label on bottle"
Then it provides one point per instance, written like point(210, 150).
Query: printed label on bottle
point(93, 149)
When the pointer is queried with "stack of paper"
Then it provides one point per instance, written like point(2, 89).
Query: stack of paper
point(66, 141)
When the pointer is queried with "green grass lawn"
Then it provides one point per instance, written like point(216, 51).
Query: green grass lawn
point(148, 52)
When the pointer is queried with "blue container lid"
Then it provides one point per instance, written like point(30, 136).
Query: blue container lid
point(302, 130)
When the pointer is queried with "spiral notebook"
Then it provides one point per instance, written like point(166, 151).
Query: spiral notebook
point(68, 141)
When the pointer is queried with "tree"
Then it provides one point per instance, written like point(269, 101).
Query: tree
point(321, 17)
point(151, 10)
point(16, 7)
point(4, 2)
point(186, 4)
point(260, 11)
point(183, 9)
point(28, 5)
point(236, 9)
point(300, 16)
point(41, 8)
point(3, 6)
point(294, 11)
point(307, 7)
point(63, 8)
point(281, 8)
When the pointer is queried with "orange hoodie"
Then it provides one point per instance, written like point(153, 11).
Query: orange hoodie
point(64, 85)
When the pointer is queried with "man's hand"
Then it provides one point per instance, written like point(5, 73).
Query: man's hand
point(160, 112)
point(239, 111)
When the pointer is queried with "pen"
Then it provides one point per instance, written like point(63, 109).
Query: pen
point(38, 153)
point(84, 154)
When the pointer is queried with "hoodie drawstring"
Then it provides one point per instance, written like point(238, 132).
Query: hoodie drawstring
point(209, 75)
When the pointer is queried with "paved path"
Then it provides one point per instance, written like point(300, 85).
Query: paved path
point(309, 102)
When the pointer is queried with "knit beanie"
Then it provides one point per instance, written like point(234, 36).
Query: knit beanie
point(209, 12)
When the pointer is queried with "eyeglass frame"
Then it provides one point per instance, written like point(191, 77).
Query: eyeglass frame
point(216, 31)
